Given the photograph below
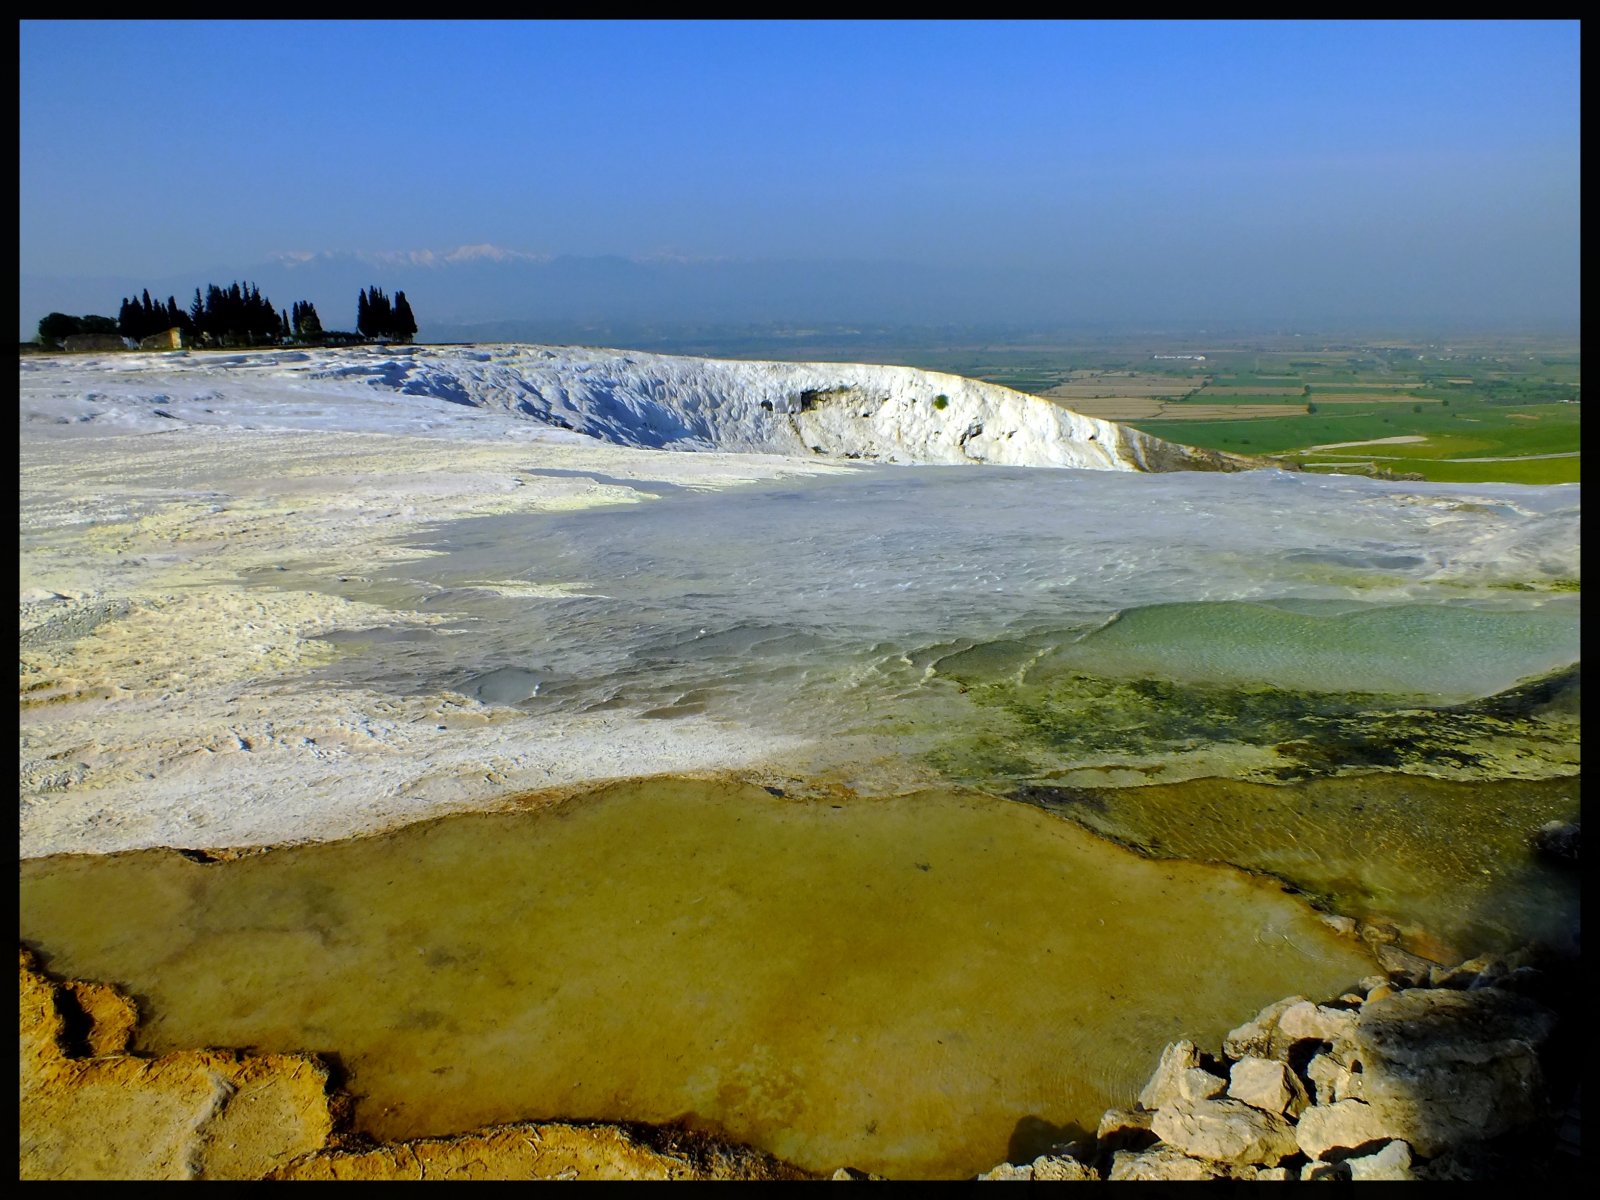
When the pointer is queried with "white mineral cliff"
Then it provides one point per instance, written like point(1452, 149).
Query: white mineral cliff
point(887, 414)
point(627, 398)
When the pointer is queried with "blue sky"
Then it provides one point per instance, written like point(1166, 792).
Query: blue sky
point(1400, 165)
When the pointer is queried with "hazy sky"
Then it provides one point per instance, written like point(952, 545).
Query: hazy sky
point(1221, 167)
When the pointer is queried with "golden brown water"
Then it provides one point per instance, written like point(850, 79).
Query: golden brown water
point(1451, 858)
point(892, 984)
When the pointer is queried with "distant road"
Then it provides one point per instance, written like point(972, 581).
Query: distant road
point(1519, 457)
point(1410, 458)
point(1388, 441)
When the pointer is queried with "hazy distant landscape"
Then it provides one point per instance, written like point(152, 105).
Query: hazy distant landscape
point(1468, 407)
point(1466, 398)
point(1473, 406)
point(800, 600)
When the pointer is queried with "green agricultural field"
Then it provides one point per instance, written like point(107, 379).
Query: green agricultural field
point(1534, 470)
point(1463, 430)
point(1468, 397)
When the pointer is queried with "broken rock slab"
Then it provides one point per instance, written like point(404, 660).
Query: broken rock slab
point(1124, 1129)
point(1259, 1036)
point(1345, 1125)
point(1225, 1131)
point(1393, 1161)
point(1197, 1083)
point(1166, 1084)
point(1004, 1171)
point(1332, 1080)
point(1046, 1166)
point(89, 1110)
point(1315, 1022)
point(1056, 1166)
point(1447, 1067)
point(1483, 971)
point(1160, 1163)
point(1406, 969)
point(1266, 1084)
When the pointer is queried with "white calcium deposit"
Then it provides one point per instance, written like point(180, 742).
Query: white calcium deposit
point(246, 615)
point(875, 413)
point(164, 698)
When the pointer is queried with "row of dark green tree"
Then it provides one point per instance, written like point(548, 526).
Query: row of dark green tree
point(238, 315)
point(377, 318)
point(58, 327)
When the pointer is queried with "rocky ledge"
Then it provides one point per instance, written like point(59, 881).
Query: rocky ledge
point(90, 1108)
point(1427, 1072)
point(1424, 1073)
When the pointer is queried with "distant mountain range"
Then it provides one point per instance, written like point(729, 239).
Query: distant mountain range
point(488, 293)
point(477, 292)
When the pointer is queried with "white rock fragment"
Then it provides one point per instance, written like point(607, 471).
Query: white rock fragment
point(1225, 1131)
point(1258, 1035)
point(1337, 923)
point(1345, 1125)
point(1122, 1120)
point(1199, 1084)
point(1332, 1080)
point(1161, 1162)
point(1261, 1083)
point(1165, 1084)
point(1305, 1020)
point(1048, 1166)
point(1003, 1172)
point(1391, 1162)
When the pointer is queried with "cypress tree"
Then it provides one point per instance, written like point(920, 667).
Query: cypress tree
point(382, 314)
point(405, 325)
point(214, 311)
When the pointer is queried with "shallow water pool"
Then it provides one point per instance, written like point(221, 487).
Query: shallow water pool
point(918, 986)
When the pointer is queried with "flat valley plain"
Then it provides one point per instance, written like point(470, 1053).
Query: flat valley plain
point(1500, 408)
point(1490, 411)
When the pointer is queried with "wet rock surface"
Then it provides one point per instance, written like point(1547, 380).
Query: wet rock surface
point(1430, 1083)
point(1394, 1080)
point(1225, 1131)
point(88, 1109)
point(1559, 840)
point(1267, 1085)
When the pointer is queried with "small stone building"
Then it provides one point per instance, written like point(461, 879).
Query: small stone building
point(167, 339)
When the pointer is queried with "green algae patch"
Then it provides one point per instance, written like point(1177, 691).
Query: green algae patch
point(1040, 731)
point(1449, 861)
point(900, 985)
point(1451, 650)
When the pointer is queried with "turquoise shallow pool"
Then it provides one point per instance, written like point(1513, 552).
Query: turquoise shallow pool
point(872, 604)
